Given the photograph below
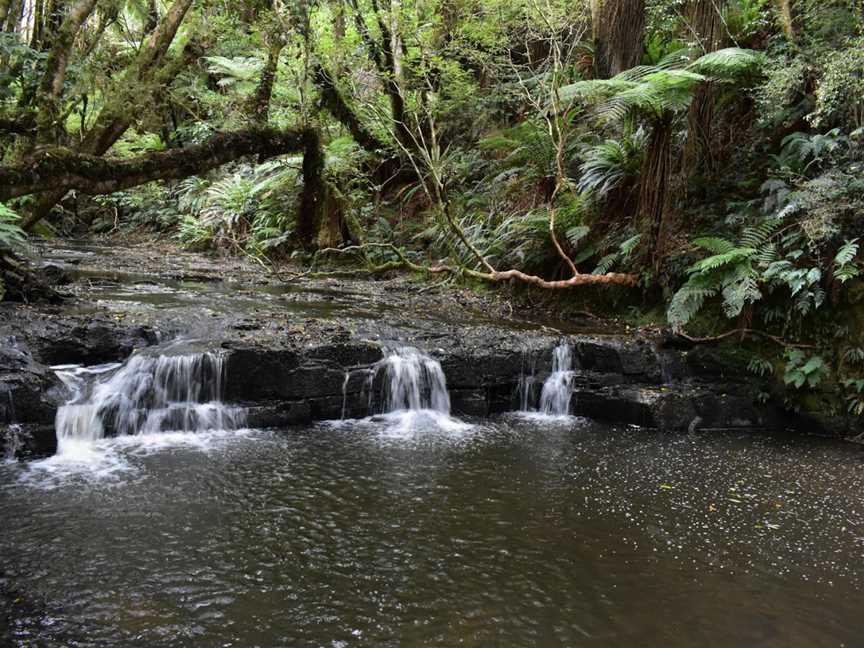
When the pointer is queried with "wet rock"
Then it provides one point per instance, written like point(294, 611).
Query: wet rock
point(469, 402)
point(30, 392)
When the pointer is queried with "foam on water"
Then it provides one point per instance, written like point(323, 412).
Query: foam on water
point(116, 458)
point(413, 395)
point(151, 402)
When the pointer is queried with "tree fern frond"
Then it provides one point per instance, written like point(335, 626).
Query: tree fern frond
point(235, 69)
point(729, 63)
point(592, 90)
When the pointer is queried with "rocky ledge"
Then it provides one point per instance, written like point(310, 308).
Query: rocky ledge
point(324, 373)
point(303, 352)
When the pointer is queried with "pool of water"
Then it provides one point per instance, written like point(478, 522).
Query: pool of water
point(522, 531)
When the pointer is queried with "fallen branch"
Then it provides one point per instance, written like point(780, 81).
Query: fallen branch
point(404, 263)
point(747, 331)
point(63, 170)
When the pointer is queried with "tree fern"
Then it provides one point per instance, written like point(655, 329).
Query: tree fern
point(729, 63)
point(611, 164)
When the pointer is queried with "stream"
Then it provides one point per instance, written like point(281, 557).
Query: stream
point(164, 518)
point(514, 532)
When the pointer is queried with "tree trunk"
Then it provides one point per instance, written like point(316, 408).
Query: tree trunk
point(259, 104)
point(335, 104)
point(5, 6)
point(114, 118)
point(312, 199)
point(789, 17)
point(654, 185)
point(709, 30)
point(91, 174)
point(51, 86)
point(14, 15)
point(38, 24)
point(618, 29)
point(392, 72)
point(388, 65)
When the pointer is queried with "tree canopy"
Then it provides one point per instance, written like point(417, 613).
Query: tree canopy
point(708, 152)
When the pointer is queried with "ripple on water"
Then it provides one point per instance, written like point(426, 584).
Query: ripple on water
point(523, 531)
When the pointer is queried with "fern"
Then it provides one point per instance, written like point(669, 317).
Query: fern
point(689, 300)
point(729, 63)
point(714, 244)
point(845, 267)
point(12, 237)
point(234, 70)
point(611, 164)
point(754, 237)
point(731, 271)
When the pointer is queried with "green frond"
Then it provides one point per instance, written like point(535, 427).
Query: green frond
point(659, 92)
point(728, 64)
point(847, 252)
point(687, 302)
point(593, 90)
point(754, 237)
point(234, 70)
point(12, 237)
point(605, 264)
point(720, 260)
point(714, 244)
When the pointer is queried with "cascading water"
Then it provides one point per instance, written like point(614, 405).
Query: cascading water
point(413, 391)
point(557, 389)
point(177, 392)
point(413, 381)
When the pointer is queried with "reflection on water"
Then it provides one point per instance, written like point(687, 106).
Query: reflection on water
point(513, 533)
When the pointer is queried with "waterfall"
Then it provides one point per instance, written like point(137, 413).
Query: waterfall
point(15, 438)
point(413, 381)
point(148, 394)
point(557, 389)
point(409, 390)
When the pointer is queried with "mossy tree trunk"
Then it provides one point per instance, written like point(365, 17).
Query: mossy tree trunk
point(788, 14)
point(312, 199)
point(150, 67)
point(62, 170)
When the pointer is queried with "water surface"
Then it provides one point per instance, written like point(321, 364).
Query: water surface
point(521, 532)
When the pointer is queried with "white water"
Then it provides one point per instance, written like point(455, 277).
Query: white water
point(413, 394)
point(557, 392)
point(413, 381)
point(14, 442)
point(148, 395)
point(558, 387)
